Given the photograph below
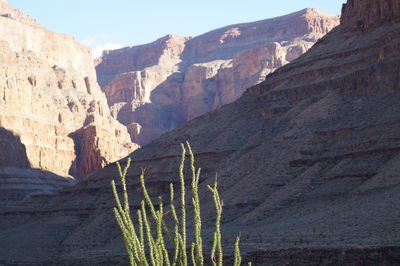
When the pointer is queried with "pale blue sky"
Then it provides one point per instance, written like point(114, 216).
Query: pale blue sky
point(131, 22)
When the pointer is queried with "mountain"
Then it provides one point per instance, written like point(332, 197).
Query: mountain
point(53, 115)
point(156, 87)
point(308, 164)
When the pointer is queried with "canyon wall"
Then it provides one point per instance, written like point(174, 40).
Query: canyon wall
point(308, 165)
point(156, 87)
point(53, 115)
point(366, 15)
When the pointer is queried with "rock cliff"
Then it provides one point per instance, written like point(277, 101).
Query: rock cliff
point(308, 165)
point(53, 115)
point(160, 85)
point(364, 15)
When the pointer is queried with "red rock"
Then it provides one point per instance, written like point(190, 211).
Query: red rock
point(49, 93)
point(362, 15)
point(308, 165)
point(175, 79)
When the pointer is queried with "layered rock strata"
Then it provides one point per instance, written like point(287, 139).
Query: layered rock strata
point(308, 166)
point(53, 115)
point(363, 15)
point(160, 85)
point(50, 99)
point(19, 184)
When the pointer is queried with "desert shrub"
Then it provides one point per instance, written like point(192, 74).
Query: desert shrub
point(150, 241)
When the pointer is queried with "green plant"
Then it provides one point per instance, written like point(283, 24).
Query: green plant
point(152, 242)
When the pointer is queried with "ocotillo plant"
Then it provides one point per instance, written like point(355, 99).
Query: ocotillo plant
point(148, 242)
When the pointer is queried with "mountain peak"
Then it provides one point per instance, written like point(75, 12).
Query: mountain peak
point(9, 12)
point(311, 12)
point(173, 38)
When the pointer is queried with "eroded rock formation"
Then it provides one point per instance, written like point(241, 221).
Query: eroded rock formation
point(362, 15)
point(174, 79)
point(308, 166)
point(51, 107)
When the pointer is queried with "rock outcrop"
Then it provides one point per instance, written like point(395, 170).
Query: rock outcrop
point(17, 180)
point(50, 99)
point(363, 15)
point(161, 85)
point(308, 166)
point(53, 115)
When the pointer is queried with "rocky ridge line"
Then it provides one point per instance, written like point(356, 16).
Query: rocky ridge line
point(156, 87)
point(308, 166)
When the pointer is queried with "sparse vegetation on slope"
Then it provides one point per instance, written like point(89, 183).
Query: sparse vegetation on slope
point(152, 242)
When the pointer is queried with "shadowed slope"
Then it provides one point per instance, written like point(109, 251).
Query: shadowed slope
point(17, 180)
point(308, 164)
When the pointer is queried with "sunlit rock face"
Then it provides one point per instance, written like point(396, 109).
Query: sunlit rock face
point(308, 165)
point(51, 103)
point(161, 85)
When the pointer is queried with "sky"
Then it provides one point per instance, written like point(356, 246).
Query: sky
point(111, 24)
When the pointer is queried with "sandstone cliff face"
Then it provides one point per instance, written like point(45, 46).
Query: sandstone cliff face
point(50, 101)
point(308, 166)
point(174, 79)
